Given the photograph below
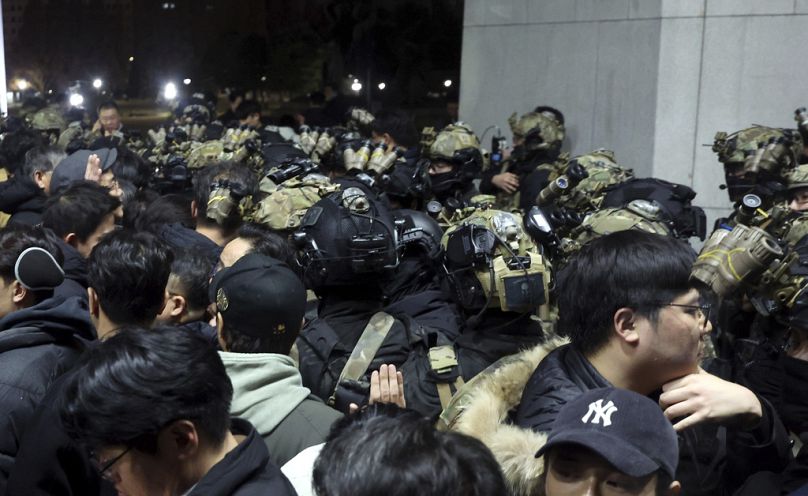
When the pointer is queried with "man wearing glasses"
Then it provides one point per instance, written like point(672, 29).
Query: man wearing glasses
point(636, 322)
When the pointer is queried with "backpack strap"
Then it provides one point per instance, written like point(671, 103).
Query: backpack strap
point(365, 350)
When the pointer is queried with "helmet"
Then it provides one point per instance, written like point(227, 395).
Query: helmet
point(491, 262)
point(603, 171)
point(797, 177)
point(458, 145)
point(419, 233)
point(205, 154)
point(347, 239)
point(406, 182)
point(641, 215)
point(279, 154)
point(286, 205)
point(757, 155)
point(48, 119)
point(539, 131)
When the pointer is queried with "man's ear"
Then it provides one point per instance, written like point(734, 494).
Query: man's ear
point(625, 324)
point(179, 305)
point(92, 300)
point(71, 239)
point(38, 179)
point(179, 440)
point(194, 209)
point(219, 327)
point(674, 489)
point(19, 292)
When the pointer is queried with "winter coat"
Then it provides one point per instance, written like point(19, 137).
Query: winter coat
point(245, 471)
point(714, 459)
point(268, 391)
point(37, 345)
point(75, 267)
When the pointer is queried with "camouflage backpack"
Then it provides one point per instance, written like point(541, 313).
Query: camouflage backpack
point(204, 154)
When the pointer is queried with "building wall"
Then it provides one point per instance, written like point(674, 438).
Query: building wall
point(651, 79)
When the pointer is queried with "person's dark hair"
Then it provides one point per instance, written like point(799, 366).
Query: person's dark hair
point(545, 108)
point(128, 271)
point(16, 238)
point(237, 175)
point(397, 124)
point(246, 108)
point(266, 242)
point(15, 145)
point(130, 386)
point(79, 209)
point(109, 104)
point(623, 269)
point(167, 209)
point(400, 453)
point(135, 203)
point(287, 120)
point(129, 166)
point(192, 270)
point(41, 159)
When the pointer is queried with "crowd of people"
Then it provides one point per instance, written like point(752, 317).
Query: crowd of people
point(218, 306)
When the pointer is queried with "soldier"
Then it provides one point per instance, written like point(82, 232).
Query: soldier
point(348, 244)
point(537, 140)
point(455, 160)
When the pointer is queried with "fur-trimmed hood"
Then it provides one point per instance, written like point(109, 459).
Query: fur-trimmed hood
point(480, 409)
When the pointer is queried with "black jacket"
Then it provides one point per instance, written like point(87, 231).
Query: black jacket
point(245, 471)
point(180, 237)
point(498, 335)
point(37, 345)
point(29, 212)
point(713, 459)
point(49, 462)
point(326, 343)
point(75, 267)
point(15, 192)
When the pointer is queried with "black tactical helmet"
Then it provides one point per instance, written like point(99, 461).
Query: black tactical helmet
point(347, 239)
point(420, 233)
point(278, 154)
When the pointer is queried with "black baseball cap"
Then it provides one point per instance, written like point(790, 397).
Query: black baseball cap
point(627, 429)
point(73, 167)
point(259, 296)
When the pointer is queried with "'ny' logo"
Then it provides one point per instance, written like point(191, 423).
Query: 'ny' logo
point(600, 411)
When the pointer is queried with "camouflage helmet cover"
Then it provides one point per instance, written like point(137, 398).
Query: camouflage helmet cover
point(48, 118)
point(451, 139)
point(798, 177)
point(736, 148)
point(603, 171)
point(550, 130)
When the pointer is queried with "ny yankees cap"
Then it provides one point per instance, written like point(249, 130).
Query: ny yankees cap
point(627, 429)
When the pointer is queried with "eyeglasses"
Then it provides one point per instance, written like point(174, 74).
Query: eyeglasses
point(701, 310)
point(104, 469)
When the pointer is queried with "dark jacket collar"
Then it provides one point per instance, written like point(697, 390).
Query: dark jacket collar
point(53, 320)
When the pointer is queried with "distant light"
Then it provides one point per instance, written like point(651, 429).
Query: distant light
point(356, 86)
point(186, 81)
point(350, 76)
point(382, 86)
point(9, 96)
point(97, 83)
point(50, 92)
point(76, 100)
point(131, 59)
point(22, 84)
point(447, 83)
point(263, 78)
point(170, 91)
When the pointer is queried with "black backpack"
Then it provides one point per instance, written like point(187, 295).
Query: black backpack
point(673, 199)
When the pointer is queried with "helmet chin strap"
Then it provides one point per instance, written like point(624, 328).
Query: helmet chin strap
point(473, 321)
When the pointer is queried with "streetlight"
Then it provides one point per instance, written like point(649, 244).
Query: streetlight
point(186, 81)
point(382, 86)
point(131, 59)
point(22, 84)
point(97, 83)
point(170, 91)
point(447, 83)
point(356, 86)
point(76, 100)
